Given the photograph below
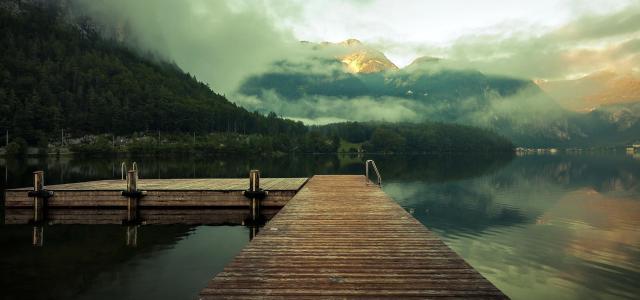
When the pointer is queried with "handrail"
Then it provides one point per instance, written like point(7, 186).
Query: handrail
point(134, 167)
point(123, 169)
point(375, 168)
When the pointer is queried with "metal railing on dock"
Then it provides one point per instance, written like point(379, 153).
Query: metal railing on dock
point(375, 168)
point(123, 169)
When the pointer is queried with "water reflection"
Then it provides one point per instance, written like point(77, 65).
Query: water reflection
point(561, 227)
point(159, 216)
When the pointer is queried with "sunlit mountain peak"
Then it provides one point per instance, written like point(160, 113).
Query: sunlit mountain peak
point(364, 59)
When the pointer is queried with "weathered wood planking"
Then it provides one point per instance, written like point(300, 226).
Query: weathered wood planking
point(161, 193)
point(339, 238)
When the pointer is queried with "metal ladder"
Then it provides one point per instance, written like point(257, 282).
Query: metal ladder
point(123, 169)
point(375, 168)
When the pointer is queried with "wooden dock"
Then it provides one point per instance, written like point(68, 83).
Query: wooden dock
point(341, 238)
point(166, 193)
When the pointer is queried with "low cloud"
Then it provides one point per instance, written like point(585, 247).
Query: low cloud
point(315, 109)
point(588, 44)
point(219, 42)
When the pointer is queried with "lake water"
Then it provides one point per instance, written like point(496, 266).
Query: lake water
point(552, 226)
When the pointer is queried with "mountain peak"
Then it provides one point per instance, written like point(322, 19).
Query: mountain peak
point(351, 42)
point(367, 61)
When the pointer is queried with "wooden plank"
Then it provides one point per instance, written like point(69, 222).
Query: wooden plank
point(341, 238)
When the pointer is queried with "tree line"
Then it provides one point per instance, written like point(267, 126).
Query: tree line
point(427, 137)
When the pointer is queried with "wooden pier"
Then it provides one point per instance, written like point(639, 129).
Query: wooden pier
point(342, 238)
point(337, 236)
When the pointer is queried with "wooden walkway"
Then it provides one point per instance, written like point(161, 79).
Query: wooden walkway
point(339, 238)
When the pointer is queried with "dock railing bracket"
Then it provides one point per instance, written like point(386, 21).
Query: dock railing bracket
point(375, 169)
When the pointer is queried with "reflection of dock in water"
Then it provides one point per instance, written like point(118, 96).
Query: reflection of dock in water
point(200, 216)
point(137, 202)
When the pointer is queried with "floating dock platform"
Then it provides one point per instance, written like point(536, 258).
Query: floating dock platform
point(160, 193)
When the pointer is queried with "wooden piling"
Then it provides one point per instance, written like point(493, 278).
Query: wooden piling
point(38, 202)
point(132, 202)
point(254, 187)
point(254, 180)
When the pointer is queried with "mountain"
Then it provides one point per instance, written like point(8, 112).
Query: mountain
point(362, 59)
point(429, 90)
point(420, 92)
point(594, 90)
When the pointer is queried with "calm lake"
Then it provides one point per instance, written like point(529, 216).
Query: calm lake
point(548, 226)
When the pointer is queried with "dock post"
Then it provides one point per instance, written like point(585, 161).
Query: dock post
point(38, 202)
point(132, 202)
point(254, 187)
point(253, 231)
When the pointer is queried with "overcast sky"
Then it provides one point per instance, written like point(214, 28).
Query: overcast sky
point(405, 26)
point(222, 42)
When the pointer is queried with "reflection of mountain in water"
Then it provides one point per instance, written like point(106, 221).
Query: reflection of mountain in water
point(518, 193)
point(542, 226)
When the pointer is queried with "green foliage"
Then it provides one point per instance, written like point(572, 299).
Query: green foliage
point(386, 140)
point(419, 138)
point(101, 146)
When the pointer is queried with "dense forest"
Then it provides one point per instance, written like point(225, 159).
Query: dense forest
point(57, 73)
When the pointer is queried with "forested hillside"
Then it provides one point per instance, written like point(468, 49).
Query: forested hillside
point(57, 73)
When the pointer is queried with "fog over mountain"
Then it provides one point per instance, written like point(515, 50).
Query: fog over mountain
point(518, 76)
